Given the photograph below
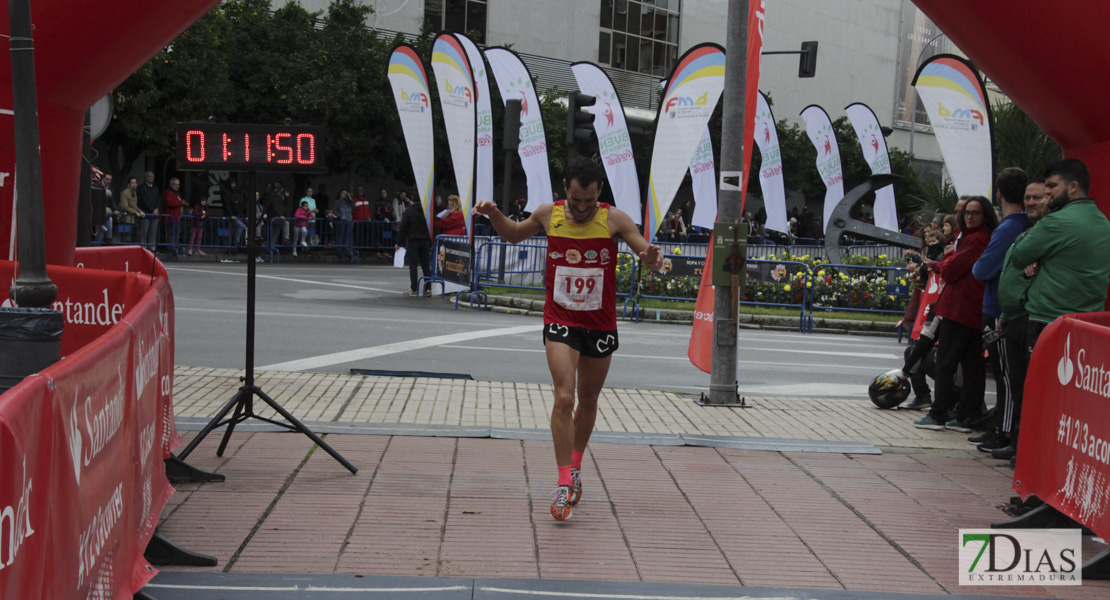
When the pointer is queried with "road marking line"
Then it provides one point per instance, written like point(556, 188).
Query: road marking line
point(317, 362)
point(295, 588)
point(343, 285)
point(627, 596)
point(760, 350)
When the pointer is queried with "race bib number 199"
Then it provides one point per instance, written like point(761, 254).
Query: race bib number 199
point(578, 289)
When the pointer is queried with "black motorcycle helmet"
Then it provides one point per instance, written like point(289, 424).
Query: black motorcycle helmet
point(888, 390)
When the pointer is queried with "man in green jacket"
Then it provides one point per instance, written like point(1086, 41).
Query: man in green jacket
point(1066, 254)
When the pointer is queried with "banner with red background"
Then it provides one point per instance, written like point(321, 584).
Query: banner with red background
point(1064, 446)
point(81, 443)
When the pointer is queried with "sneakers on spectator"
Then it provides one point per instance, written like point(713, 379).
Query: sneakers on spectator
point(1006, 453)
point(918, 403)
point(959, 425)
point(989, 440)
point(188, 253)
point(575, 487)
point(258, 259)
point(928, 422)
point(412, 293)
point(304, 244)
point(200, 253)
point(560, 503)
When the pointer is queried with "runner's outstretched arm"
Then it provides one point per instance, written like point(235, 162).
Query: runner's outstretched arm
point(622, 225)
point(512, 231)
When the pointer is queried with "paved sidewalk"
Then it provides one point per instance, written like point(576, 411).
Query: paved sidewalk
point(466, 507)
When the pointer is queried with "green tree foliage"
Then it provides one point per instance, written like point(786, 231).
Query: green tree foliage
point(1020, 142)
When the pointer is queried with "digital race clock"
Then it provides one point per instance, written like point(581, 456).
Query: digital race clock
point(238, 147)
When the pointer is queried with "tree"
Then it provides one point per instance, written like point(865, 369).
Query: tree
point(1020, 142)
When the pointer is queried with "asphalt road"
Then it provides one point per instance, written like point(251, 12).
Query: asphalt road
point(333, 318)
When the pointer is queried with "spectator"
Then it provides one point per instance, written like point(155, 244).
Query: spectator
point(300, 225)
point(342, 211)
point(129, 204)
point(150, 203)
point(417, 241)
point(384, 219)
point(274, 212)
point(112, 213)
point(235, 209)
point(362, 214)
point(1010, 189)
point(314, 238)
point(450, 221)
point(1013, 289)
point(171, 207)
point(961, 309)
point(196, 238)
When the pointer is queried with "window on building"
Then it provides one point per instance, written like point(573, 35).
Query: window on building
point(459, 16)
point(639, 35)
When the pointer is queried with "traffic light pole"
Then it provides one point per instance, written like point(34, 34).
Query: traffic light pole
point(722, 378)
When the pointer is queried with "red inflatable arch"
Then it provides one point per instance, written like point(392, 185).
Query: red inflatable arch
point(82, 50)
point(1050, 60)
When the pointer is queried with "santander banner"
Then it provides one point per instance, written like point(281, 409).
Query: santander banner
point(954, 99)
point(514, 81)
point(456, 98)
point(692, 92)
point(703, 179)
point(612, 137)
point(873, 144)
point(483, 181)
point(1064, 446)
point(770, 170)
point(412, 96)
point(820, 131)
point(82, 444)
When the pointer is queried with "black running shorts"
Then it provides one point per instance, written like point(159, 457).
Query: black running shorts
point(594, 344)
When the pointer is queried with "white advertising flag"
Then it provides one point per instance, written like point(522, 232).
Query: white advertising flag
point(692, 93)
point(409, 81)
point(820, 131)
point(613, 142)
point(515, 82)
point(956, 103)
point(483, 182)
point(703, 177)
point(873, 144)
point(770, 170)
point(456, 98)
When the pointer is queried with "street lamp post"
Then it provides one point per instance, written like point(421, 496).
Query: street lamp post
point(32, 287)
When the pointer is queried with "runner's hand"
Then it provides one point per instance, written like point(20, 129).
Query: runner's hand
point(652, 257)
point(486, 208)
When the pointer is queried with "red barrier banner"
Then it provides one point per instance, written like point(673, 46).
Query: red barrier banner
point(929, 295)
point(129, 259)
point(26, 457)
point(92, 301)
point(82, 478)
point(1064, 446)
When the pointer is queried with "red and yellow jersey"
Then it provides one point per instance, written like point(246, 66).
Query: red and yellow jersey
point(581, 274)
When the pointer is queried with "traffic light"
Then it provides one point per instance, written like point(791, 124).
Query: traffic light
point(807, 64)
point(580, 123)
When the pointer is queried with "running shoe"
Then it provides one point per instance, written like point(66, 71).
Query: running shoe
point(928, 422)
point(560, 508)
point(576, 486)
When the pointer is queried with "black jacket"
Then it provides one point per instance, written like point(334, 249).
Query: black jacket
point(414, 226)
point(150, 199)
point(235, 204)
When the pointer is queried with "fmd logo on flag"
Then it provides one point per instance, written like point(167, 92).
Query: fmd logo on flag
point(1020, 557)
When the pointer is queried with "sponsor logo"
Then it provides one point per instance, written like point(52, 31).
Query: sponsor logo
point(685, 102)
point(603, 345)
point(555, 255)
point(604, 256)
point(1065, 369)
point(591, 255)
point(533, 149)
point(1020, 557)
point(146, 359)
point(574, 256)
point(102, 418)
point(523, 104)
point(828, 146)
point(460, 92)
point(608, 114)
point(90, 313)
point(874, 143)
point(15, 522)
point(417, 97)
point(1087, 376)
point(559, 330)
point(92, 541)
point(706, 316)
point(667, 265)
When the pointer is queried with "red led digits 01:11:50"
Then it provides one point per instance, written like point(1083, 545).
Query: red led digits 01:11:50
point(209, 146)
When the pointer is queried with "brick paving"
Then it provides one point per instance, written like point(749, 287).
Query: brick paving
point(479, 507)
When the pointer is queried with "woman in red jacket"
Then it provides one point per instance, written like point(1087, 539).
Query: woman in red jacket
point(451, 221)
point(961, 308)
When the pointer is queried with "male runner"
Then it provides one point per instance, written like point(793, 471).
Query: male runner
point(580, 310)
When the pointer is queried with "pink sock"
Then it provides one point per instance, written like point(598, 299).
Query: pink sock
point(564, 475)
point(576, 459)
